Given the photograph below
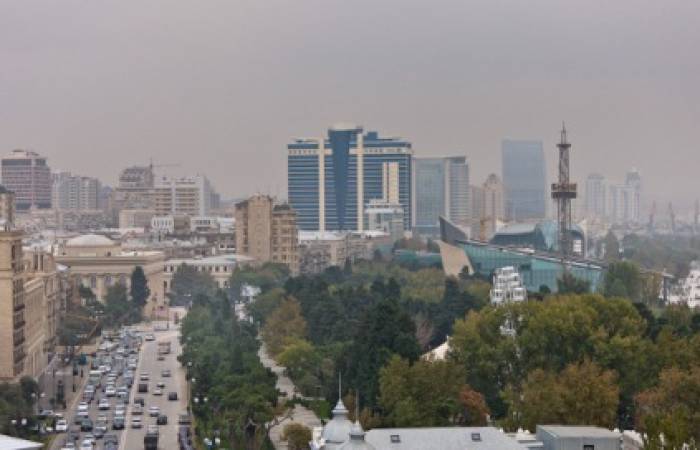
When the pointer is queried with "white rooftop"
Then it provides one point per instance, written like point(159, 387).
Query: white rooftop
point(90, 240)
point(11, 443)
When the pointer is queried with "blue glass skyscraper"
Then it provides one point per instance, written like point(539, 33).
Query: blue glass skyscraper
point(524, 180)
point(331, 179)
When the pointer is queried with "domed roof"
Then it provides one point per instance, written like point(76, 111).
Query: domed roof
point(338, 429)
point(90, 240)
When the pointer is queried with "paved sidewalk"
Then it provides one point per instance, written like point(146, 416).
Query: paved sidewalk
point(299, 414)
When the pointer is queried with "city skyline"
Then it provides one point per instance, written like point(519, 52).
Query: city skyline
point(222, 88)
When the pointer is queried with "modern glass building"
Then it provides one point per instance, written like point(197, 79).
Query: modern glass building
point(524, 179)
point(332, 179)
point(441, 188)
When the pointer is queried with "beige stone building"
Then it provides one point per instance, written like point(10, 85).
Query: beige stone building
point(31, 303)
point(99, 263)
point(267, 231)
point(7, 206)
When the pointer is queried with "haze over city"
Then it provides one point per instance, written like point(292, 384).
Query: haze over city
point(221, 87)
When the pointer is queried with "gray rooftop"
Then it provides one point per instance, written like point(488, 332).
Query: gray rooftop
point(570, 431)
point(441, 438)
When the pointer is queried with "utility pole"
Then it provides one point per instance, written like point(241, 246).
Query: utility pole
point(563, 192)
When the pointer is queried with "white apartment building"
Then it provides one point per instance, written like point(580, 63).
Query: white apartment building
point(186, 195)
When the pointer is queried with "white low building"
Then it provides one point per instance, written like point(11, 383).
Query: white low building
point(507, 286)
point(220, 267)
point(688, 290)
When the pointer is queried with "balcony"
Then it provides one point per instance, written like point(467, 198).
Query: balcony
point(18, 307)
point(19, 324)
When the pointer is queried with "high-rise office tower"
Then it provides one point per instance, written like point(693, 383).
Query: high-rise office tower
point(524, 179)
point(596, 196)
point(26, 174)
point(332, 179)
point(441, 188)
point(492, 202)
point(633, 182)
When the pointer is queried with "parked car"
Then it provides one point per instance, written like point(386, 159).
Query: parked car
point(61, 426)
point(118, 423)
point(172, 395)
point(162, 419)
point(86, 425)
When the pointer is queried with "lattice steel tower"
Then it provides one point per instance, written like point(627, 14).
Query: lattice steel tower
point(563, 192)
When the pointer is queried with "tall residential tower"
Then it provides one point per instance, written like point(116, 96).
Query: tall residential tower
point(26, 173)
point(524, 180)
point(441, 188)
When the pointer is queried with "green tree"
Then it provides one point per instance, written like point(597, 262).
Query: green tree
point(118, 308)
point(623, 279)
point(410, 396)
point(582, 394)
point(297, 436)
point(568, 283)
point(285, 325)
point(139, 287)
point(387, 330)
point(671, 408)
point(188, 284)
point(612, 247)
point(265, 304)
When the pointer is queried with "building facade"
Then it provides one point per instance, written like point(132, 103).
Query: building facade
point(220, 268)
point(596, 196)
point(441, 188)
point(99, 263)
point(187, 195)
point(524, 180)
point(27, 174)
point(332, 179)
point(7, 207)
point(73, 192)
point(267, 231)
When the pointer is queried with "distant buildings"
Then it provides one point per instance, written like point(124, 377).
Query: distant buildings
point(441, 188)
point(491, 205)
point(617, 203)
point(26, 173)
point(332, 179)
point(321, 250)
point(73, 192)
point(267, 231)
point(524, 180)
point(188, 195)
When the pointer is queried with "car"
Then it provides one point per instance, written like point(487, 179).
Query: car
point(100, 425)
point(83, 406)
point(150, 337)
point(136, 422)
point(86, 425)
point(158, 391)
point(172, 395)
point(44, 413)
point(139, 401)
point(110, 439)
point(137, 410)
point(61, 426)
point(118, 423)
point(103, 404)
point(153, 411)
point(161, 358)
point(162, 419)
point(160, 384)
point(165, 373)
point(86, 445)
point(184, 419)
point(144, 376)
point(110, 391)
point(102, 417)
point(98, 433)
point(90, 437)
point(68, 446)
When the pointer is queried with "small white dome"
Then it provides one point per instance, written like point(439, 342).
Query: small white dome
point(90, 240)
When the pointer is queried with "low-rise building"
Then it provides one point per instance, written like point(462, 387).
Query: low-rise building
point(570, 437)
point(136, 218)
point(320, 250)
point(100, 262)
point(219, 267)
point(171, 224)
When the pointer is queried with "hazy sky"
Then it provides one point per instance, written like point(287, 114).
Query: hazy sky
point(221, 86)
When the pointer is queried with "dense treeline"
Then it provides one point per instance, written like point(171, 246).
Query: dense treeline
point(598, 359)
point(220, 354)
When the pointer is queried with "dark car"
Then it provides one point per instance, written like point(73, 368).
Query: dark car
point(172, 395)
point(143, 387)
point(162, 419)
point(118, 423)
point(86, 425)
point(139, 401)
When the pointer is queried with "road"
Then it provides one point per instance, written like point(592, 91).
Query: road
point(129, 438)
point(132, 439)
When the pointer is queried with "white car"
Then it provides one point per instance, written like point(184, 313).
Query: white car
point(61, 426)
point(103, 405)
point(83, 406)
point(136, 422)
point(153, 411)
point(158, 391)
point(86, 445)
point(111, 391)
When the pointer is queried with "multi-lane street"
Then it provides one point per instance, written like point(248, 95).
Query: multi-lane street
point(132, 355)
